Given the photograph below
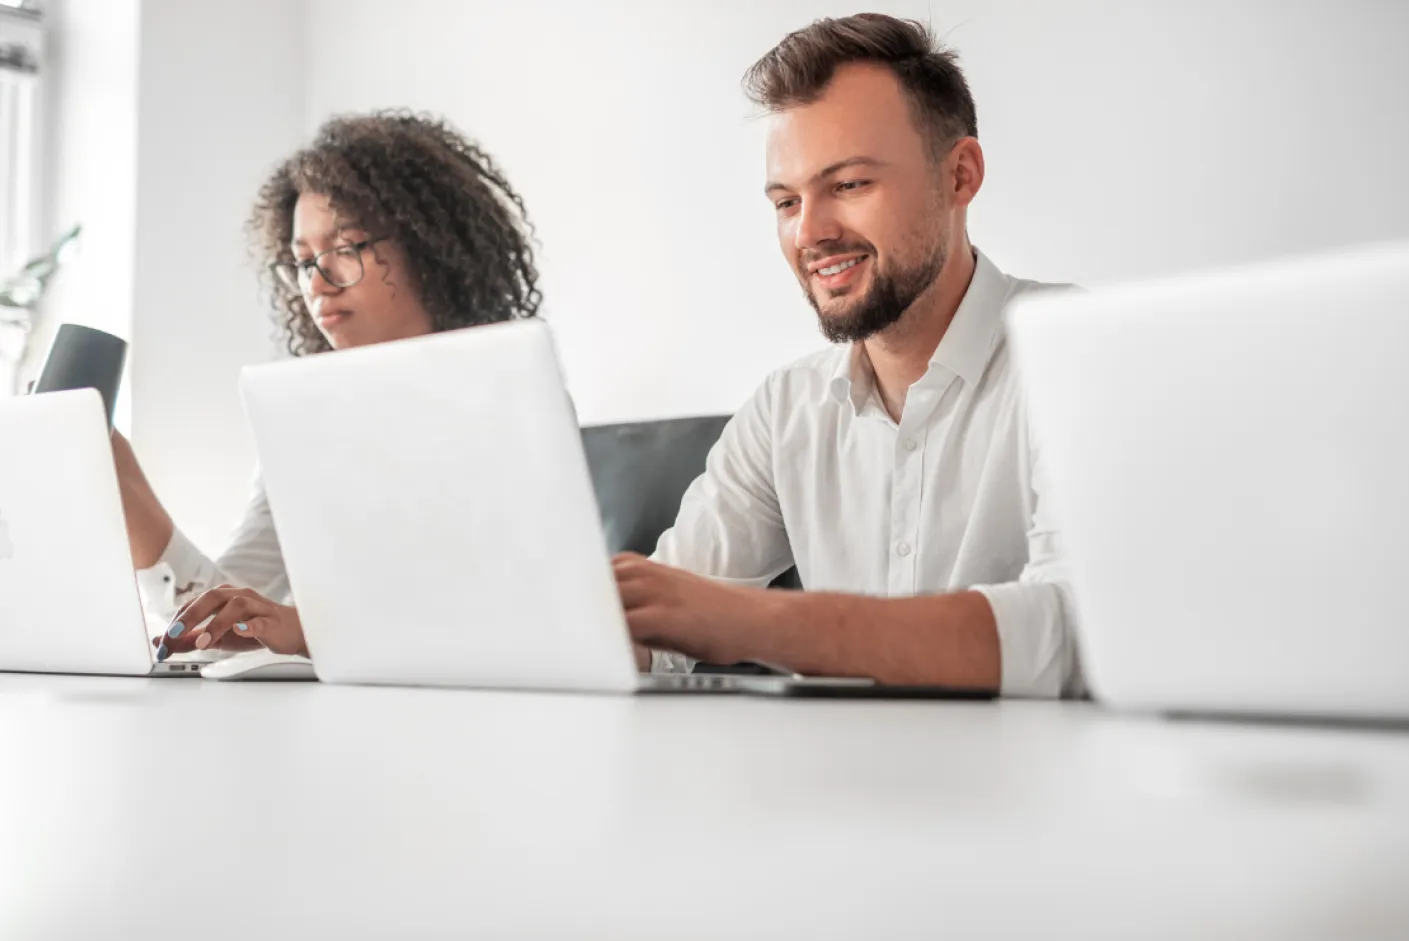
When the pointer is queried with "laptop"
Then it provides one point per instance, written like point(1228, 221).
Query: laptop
point(439, 524)
point(1228, 457)
point(68, 593)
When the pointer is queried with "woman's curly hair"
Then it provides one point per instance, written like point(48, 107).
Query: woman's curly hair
point(415, 180)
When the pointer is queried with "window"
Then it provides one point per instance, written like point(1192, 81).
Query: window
point(19, 79)
point(20, 36)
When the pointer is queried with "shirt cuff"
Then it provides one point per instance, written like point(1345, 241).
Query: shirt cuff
point(180, 562)
point(1032, 638)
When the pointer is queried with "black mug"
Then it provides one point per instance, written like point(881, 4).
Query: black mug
point(84, 358)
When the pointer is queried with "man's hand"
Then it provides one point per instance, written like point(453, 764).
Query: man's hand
point(671, 609)
point(240, 619)
point(944, 640)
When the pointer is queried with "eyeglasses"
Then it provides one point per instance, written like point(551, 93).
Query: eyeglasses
point(340, 266)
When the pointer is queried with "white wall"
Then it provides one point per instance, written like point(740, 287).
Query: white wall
point(1123, 140)
point(219, 104)
point(167, 114)
point(90, 111)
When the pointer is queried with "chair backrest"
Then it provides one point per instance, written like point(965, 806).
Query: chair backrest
point(640, 471)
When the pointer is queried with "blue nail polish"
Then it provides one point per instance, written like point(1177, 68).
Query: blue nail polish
point(242, 627)
point(176, 630)
point(162, 653)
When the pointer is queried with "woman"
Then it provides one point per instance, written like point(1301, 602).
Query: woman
point(388, 226)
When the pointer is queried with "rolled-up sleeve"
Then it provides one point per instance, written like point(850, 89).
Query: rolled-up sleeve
point(181, 574)
point(253, 559)
point(1036, 615)
point(1038, 655)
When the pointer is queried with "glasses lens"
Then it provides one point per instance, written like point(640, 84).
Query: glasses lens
point(342, 266)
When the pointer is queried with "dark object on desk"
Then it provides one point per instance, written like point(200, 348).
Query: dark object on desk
point(84, 358)
point(640, 470)
point(881, 691)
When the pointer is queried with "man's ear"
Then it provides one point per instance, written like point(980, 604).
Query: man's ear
point(966, 161)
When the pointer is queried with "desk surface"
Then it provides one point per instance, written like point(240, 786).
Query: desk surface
point(185, 809)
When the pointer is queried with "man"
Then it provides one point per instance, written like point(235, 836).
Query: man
point(895, 471)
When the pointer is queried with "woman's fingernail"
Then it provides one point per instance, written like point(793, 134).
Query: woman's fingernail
point(203, 641)
point(162, 653)
point(176, 630)
point(242, 627)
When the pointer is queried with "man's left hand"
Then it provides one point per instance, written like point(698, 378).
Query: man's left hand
point(671, 609)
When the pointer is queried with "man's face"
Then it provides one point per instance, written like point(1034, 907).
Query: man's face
point(862, 216)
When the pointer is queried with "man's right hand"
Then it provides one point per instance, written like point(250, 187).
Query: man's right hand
point(149, 526)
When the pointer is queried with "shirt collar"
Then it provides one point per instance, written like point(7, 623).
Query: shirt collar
point(965, 349)
point(853, 380)
point(968, 344)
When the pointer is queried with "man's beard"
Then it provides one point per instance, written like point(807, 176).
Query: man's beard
point(889, 297)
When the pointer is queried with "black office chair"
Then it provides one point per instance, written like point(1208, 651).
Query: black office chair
point(640, 471)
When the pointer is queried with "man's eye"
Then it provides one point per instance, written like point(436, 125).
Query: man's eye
point(853, 185)
point(784, 204)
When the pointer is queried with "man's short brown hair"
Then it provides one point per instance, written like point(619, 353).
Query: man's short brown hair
point(798, 70)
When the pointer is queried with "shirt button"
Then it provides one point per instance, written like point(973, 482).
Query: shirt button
point(910, 444)
point(902, 549)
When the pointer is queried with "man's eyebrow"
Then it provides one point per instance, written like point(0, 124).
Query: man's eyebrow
point(830, 170)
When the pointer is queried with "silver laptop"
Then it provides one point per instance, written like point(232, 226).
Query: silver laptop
point(68, 594)
point(1228, 456)
point(439, 524)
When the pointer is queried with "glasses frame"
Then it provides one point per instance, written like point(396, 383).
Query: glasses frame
point(297, 276)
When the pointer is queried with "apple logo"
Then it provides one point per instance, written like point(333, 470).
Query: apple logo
point(7, 548)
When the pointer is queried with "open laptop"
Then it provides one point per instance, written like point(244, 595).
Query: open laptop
point(68, 594)
point(1228, 458)
point(439, 525)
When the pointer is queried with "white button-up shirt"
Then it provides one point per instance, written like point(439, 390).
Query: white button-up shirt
point(813, 472)
point(253, 559)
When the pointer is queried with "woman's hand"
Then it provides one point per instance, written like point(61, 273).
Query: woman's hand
point(240, 619)
point(149, 526)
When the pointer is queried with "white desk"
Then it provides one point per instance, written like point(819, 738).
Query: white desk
point(184, 809)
